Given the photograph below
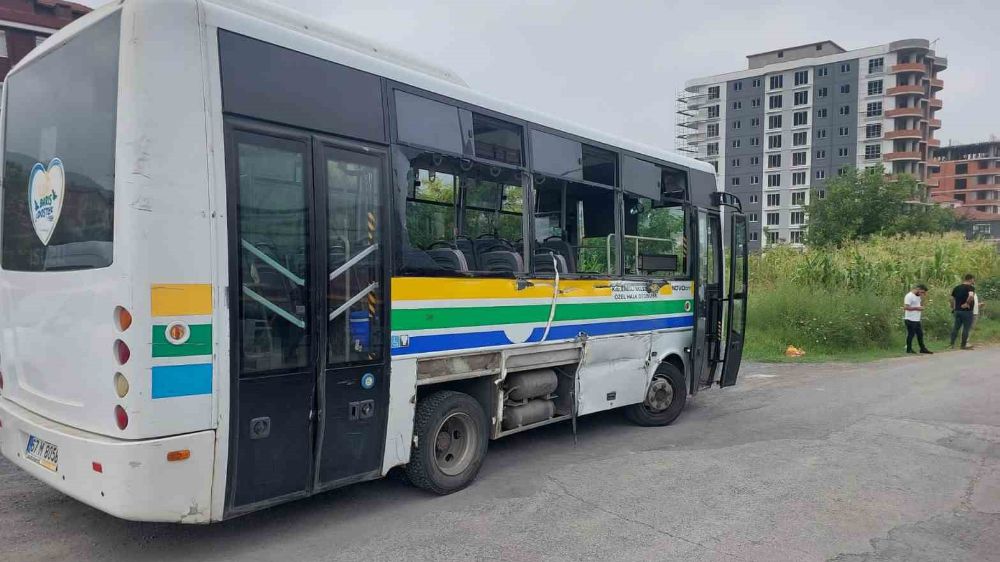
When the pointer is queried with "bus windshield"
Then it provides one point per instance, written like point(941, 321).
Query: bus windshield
point(59, 147)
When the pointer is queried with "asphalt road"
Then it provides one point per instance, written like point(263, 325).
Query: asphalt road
point(894, 460)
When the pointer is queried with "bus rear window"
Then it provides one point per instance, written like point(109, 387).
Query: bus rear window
point(59, 147)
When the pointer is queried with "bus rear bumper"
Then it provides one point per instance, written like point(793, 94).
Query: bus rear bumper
point(128, 479)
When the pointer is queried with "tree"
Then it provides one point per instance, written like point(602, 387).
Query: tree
point(863, 203)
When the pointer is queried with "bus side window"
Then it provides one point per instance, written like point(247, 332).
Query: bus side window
point(575, 227)
point(653, 242)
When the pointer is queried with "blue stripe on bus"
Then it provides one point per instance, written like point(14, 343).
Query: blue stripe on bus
point(171, 381)
point(448, 342)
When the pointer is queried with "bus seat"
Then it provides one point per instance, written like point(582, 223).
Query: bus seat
point(466, 246)
point(501, 260)
point(560, 247)
point(449, 258)
point(543, 263)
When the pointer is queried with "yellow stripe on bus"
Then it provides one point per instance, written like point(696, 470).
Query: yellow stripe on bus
point(181, 299)
point(437, 288)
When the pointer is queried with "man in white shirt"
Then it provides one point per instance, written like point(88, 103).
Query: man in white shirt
point(912, 309)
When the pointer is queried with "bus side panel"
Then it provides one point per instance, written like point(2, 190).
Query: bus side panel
point(167, 218)
point(402, 403)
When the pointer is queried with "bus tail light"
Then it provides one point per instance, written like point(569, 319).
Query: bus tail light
point(182, 455)
point(122, 352)
point(121, 385)
point(98, 467)
point(121, 418)
point(123, 318)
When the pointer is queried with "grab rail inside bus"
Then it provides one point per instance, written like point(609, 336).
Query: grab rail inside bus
point(271, 262)
point(273, 307)
point(353, 300)
point(353, 261)
point(637, 239)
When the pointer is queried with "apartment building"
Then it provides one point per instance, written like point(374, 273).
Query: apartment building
point(967, 177)
point(26, 23)
point(795, 117)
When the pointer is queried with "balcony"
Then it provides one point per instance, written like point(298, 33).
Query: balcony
point(900, 156)
point(934, 143)
point(904, 134)
point(934, 123)
point(908, 67)
point(906, 89)
point(936, 83)
point(905, 112)
point(936, 103)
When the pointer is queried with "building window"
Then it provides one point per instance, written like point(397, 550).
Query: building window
point(961, 168)
point(755, 160)
point(797, 217)
point(755, 102)
point(737, 86)
point(801, 98)
point(800, 118)
point(735, 162)
point(737, 124)
point(845, 88)
point(821, 133)
point(960, 183)
point(772, 220)
point(713, 129)
point(774, 180)
point(820, 154)
point(983, 164)
point(799, 139)
point(982, 180)
point(842, 171)
point(774, 102)
point(713, 112)
point(736, 143)
point(774, 141)
point(713, 92)
point(774, 160)
point(755, 121)
point(735, 182)
point(712, 148)
point(843, 153)
point(799, 158)
point(874, 109)
point(752, 217)
point(984, 229)
point(844, 131)
point(737, 105)
point(774, 122)
point(799, 198)
point(873, 151)
point(772, 237)
point(845, 110)
point(822, 92)
point(845, 67)
point(801, 77)
point(773, 199)
point(821, 194)
point(754, 180)
point(821, 113)
point(753, 236)
point(755, 83)
point(873, 130)
point(823, 71)
point(754, 141)
point(776, 82)
point(821, 174)
point(798, 178)
point(875, 88)
point(795, 236)
point(876, 65)
point(753, 199)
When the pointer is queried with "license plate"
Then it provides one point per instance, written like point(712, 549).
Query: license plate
point(42, 453)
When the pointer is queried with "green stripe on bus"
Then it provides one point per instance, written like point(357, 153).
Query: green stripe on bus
point(436, 318)
point(199, 343)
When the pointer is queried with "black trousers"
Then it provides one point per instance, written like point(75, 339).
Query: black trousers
point(914, 328)
point(963, 319)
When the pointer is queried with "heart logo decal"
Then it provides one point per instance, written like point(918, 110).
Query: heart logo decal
point(46, 189)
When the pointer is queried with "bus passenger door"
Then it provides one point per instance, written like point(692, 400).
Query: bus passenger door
point(353, 386)
point(736, 318)
point(705, 250)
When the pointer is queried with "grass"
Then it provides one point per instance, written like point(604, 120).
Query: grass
point(846, 304)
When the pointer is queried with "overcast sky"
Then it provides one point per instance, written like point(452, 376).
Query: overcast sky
point(615, 65)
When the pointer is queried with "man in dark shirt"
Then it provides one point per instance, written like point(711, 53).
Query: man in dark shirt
point(962, 298)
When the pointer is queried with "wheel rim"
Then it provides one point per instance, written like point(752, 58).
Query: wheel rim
point(659, 396)
point(455, 444)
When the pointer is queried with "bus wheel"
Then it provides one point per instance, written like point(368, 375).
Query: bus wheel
point(665, 398)
point(451, 436)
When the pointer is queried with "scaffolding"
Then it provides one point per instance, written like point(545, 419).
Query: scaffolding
point(689, 121)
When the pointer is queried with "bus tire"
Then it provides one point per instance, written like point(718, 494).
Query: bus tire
point(451, 436)
point(665, 398)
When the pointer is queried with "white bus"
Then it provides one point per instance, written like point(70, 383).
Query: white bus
point(247, 258)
